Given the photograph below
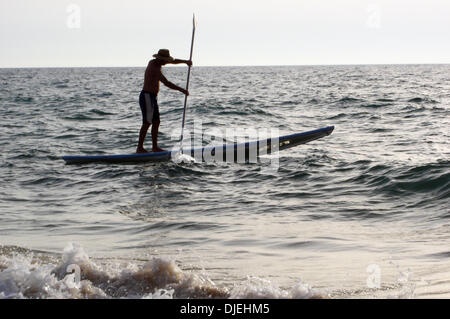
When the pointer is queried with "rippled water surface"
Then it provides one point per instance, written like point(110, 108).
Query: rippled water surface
point(363, 212)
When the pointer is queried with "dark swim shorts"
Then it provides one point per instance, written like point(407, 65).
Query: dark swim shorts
point(149, 107)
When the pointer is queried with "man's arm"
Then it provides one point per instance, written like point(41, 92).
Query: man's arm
point(171, 85)
point(178, 61)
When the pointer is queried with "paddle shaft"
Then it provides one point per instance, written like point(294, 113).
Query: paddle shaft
point(187, 84)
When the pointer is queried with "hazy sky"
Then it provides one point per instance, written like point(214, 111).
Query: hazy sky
point(229, 32)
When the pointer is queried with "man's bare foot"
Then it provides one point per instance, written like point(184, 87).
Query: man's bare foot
point(158, 149)
point(141, 150)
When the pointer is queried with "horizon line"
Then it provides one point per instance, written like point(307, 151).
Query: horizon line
point(216, 66)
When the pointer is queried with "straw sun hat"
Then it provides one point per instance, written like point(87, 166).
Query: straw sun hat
point(164, 54)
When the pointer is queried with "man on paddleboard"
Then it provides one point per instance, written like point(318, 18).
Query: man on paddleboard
point(148, 97)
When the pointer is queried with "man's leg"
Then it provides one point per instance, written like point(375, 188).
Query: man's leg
point(155, 130)
point(142, 134)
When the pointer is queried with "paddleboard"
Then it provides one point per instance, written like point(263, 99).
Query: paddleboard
point(229, 152)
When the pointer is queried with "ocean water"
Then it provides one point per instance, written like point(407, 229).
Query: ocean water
point(362, 213)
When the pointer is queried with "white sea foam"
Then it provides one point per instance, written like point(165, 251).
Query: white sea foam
point(23, 277)
point(257, 288)
point(179, 157)
point(27, 275)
